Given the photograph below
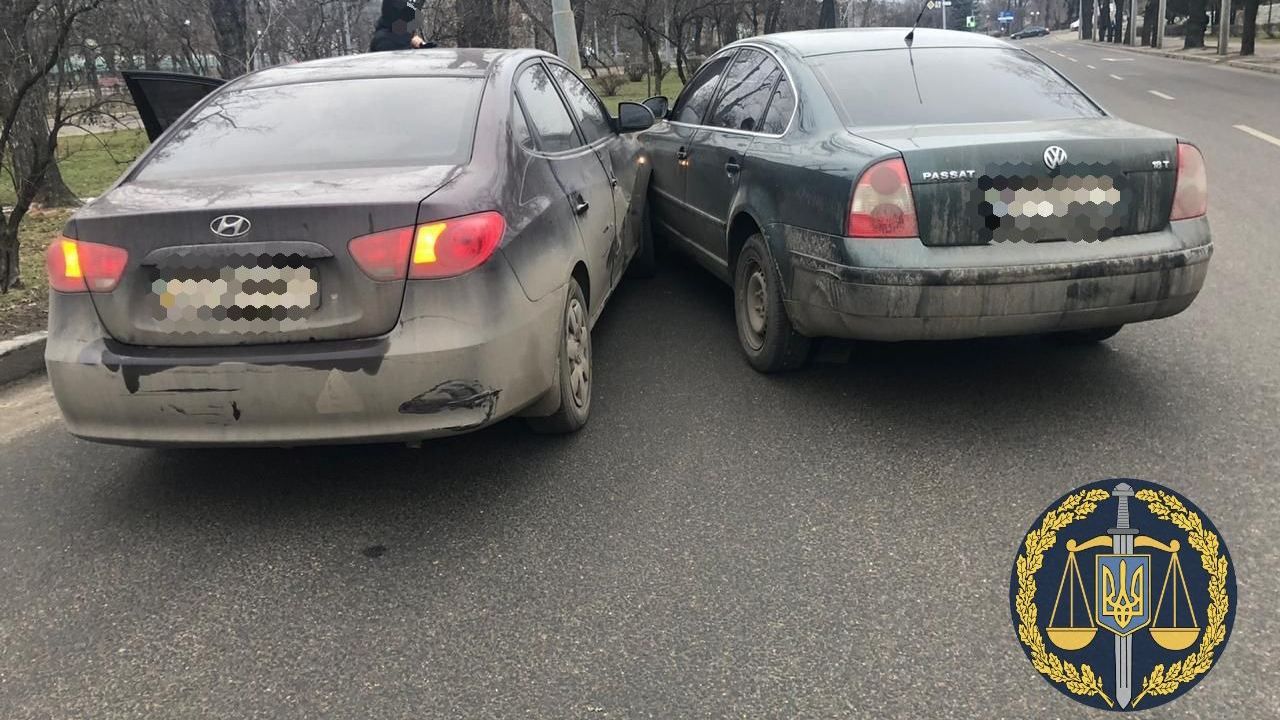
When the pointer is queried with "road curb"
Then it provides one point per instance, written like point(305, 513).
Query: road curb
point(22, 356)
point(1242, 64)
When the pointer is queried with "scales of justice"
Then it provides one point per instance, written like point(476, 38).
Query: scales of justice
point(1122, 591)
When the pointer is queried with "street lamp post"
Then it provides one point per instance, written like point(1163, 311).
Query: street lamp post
point(1224, 27)
point(1160, 22)
point(566, 35)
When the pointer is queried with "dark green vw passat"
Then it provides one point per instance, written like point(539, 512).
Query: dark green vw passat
point(867, 184)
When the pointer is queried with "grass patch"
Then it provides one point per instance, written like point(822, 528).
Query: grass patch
point(25, 310)
point(635, 91)
point(90, 163)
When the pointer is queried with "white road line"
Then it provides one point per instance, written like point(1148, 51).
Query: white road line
point(1161, 95)
point(1258, 134)
point(1071, 58)
point(1091, 67)
point(1117, 59)
point(1116, 77)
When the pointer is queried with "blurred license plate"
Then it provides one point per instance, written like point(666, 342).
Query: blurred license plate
point(237, 293)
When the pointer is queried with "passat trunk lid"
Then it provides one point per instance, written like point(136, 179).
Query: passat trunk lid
point(1035, 181)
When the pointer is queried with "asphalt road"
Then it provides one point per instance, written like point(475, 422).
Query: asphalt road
point(833, 542)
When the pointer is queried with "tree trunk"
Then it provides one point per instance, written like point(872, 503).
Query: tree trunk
point(502, 18)
point(655, 55)
point(1250, 27)
point(230, 23)
point(10, 271)
point(1197, 23)
point(476, 24)
point(827, 14)
point(53, 191)
point(32, 145)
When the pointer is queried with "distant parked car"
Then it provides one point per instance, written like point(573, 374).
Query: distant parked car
point(1031, 31)
point(862, 184)
point(368, 248)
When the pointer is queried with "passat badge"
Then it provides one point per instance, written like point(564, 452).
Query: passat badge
point(230, 226)
point(1054, 157)
point(1142, 564)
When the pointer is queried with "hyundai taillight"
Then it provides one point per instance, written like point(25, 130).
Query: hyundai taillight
point(882, 206)
point(440, 249)
point(1191, 196)
point(78, 266)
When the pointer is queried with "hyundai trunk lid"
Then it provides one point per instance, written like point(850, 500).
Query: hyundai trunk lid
point(252, 259)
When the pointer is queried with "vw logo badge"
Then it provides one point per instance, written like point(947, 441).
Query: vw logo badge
point(1054, 156)
point(230, 226)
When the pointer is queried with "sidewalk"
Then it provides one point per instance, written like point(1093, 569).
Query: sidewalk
point(1266, 57)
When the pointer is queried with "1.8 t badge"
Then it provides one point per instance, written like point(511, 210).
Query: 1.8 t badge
point(1123, 594)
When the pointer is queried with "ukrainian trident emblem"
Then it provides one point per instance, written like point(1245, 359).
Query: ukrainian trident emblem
point(1147, 635)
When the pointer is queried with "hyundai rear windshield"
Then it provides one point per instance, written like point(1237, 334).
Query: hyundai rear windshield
point(948, 85)
point(369, 122)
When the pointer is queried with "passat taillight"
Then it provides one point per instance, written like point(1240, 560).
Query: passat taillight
point(78, 266)
point(882, 206)
point(1191, 196)
point(440, 249)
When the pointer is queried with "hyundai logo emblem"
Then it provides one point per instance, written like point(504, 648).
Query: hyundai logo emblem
point(230, 226)
point(1054, 156)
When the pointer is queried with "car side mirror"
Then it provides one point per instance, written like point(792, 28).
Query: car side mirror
point(658, 105)
point(634, 117)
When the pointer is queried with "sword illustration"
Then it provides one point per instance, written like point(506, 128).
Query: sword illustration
point(1122, 544)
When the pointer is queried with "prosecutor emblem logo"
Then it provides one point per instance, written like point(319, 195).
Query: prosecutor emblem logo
point(1123, 595)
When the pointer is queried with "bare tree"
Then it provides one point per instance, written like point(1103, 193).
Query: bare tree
point(231, 25)
point(1250, 27)
point(35, 39)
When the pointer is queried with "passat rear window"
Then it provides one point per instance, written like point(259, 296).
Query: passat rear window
point(947, 85)
point(371, 122)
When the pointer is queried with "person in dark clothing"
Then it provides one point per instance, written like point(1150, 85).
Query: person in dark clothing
point(392, 30)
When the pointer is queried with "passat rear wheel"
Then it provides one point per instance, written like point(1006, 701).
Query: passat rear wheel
point(764, 330)
point(574, 369)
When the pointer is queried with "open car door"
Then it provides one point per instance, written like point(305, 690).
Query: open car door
point(162, 98)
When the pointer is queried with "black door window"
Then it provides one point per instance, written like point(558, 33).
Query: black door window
point(585, 105)
point(781, 107)
point(692, 103)
point(744, 94)
point(547, 113)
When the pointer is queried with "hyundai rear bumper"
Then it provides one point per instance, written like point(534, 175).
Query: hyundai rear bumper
point(466, 353)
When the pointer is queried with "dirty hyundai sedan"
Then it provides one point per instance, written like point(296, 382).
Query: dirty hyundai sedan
point(371, 248)
point(881, 185)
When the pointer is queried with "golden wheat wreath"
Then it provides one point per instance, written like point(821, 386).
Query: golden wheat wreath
point(1083, 681)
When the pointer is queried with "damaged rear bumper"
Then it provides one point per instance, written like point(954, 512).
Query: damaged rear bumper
point(490, 355)
point(903, 290)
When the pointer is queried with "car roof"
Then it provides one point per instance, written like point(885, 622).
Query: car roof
point(806, 43)
point(454, 62)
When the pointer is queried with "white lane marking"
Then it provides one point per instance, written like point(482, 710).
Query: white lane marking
point(1117, 59)
point(1116, 77)
point(1161, 95)
point(1091, 67)
point(1071, 58)
point(1258, 134)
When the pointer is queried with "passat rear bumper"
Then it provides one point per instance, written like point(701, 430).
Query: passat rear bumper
point(903, 290)
point(466, 353)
